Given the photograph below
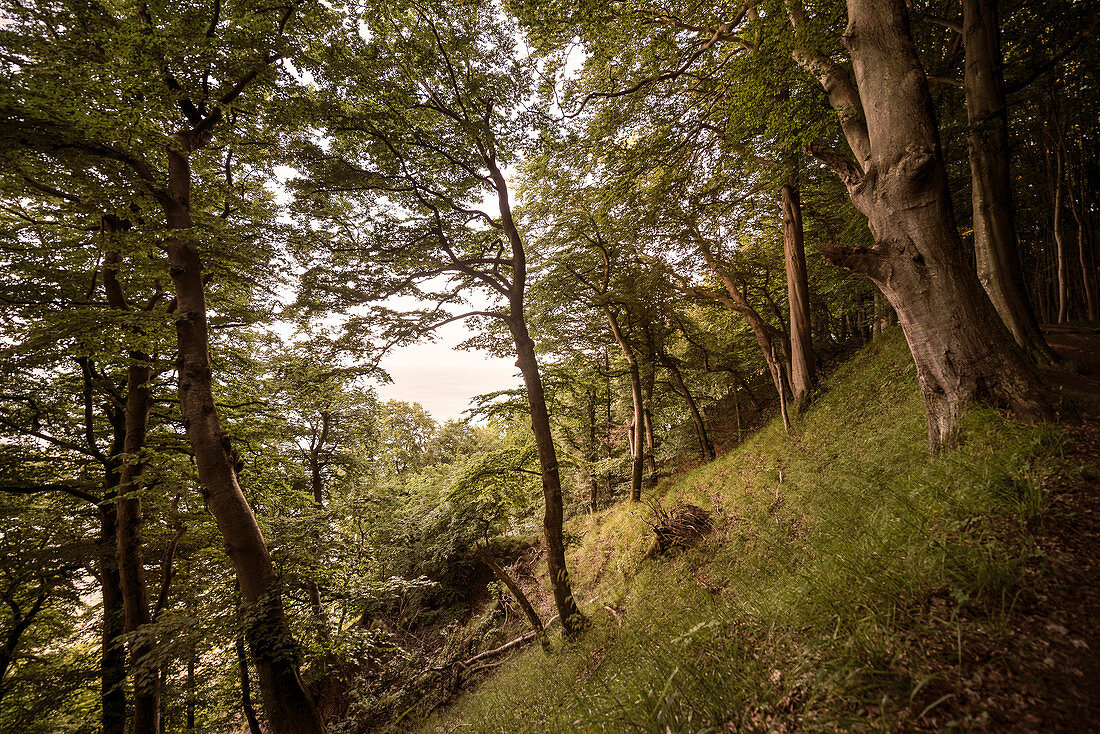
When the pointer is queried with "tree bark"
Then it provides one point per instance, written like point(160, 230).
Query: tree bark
point(961, 348)
point(803, 371)
point(998, 261)
point(288, 707)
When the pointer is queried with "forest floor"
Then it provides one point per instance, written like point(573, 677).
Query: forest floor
point(852, 584)
point(1056, 634)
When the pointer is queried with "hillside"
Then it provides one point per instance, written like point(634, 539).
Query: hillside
point(852, 583)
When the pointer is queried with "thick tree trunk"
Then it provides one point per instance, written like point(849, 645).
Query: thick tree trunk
point(288, 707)
point(803, 371)
point(961, 348)
point(517, 592)
point(998, 261)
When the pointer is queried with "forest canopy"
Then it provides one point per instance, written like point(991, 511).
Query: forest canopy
point(218, 217)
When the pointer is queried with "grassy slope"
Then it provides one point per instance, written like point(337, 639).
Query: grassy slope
point(845, 585)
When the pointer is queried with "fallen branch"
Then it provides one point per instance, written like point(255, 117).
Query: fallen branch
point(521, 640)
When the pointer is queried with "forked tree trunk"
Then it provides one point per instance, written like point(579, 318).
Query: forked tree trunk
point(961, 348)
point(803, 371)
point(288, 707)
point(128, 510)
point(998, 261)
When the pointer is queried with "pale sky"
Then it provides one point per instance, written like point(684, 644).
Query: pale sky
point(444, 379)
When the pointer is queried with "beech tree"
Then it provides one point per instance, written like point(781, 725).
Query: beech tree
point(897, 180)
point(190, 73)
point(424, 131)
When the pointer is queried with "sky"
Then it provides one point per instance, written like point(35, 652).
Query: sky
point(444, 379)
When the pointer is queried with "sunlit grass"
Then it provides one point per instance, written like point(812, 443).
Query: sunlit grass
point(847, 571)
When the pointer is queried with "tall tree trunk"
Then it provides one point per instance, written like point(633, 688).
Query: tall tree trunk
point(553, 515)
point(112, 661)
point(572, 620)
point(764, 332)
point(288, 707)
point(1058, 227)
point(997, 258)
point(129, 514)
point(1078, 203)
point(961, 348)
point(803, 371)
point(647, 425)
point(317, 482)
point(593, 452)
point(192, 695)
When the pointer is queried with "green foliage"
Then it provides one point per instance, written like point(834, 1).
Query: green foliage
point(846, 567)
